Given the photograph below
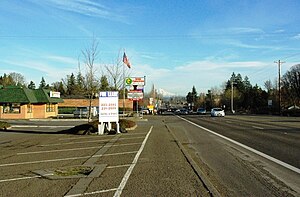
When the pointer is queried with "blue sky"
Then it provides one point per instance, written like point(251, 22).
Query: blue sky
point(176, 44)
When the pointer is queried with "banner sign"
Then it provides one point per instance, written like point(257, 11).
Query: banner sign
point(109, 106)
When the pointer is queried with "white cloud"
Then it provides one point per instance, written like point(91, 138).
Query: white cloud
point(297, 37)
point(202, 74)
point(87, 8)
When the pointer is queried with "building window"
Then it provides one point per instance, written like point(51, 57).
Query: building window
point(11, 108)
point(50, 107)
point(29, 108)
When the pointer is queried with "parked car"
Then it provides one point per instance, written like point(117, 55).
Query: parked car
point(201, 111)
point(217, 112)
point(82, 112)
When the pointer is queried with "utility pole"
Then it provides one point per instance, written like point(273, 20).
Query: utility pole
point(279, 85)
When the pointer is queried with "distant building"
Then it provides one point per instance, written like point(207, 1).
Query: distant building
point(23, 103)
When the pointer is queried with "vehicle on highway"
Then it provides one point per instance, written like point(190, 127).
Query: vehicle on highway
point(201, 111)
point(184, 111)
point(144, 111)
point(217, 112)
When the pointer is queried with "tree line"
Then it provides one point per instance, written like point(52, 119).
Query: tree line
point(80, 85)
point(250, 98)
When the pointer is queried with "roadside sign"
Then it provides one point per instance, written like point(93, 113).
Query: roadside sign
point(128, 81)
point(108, 106)
point(135, 95)
point(132, 81)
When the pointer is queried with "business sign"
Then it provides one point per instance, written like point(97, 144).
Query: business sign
point(135, 95)
point(109, 106)
point(54, 94)
point(135, 81)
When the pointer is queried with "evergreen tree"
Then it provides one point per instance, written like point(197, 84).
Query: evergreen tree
point(104, 86)
point(42, 83)
point(71, 86)
point(80, 86)
point(31, 85)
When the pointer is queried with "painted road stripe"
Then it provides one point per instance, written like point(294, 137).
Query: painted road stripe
point(92, 193)
point(288, 166)
point(63, 159)
point(83, 142)
point(23, 178)
point(18, 179)
point(72, 149)
point(130, 169)
point(260, 128)
point(39, 126)
point(119, 166)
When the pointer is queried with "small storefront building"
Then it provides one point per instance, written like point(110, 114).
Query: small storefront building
point(23, 103)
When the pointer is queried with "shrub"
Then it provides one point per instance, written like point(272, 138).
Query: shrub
point(4, 125)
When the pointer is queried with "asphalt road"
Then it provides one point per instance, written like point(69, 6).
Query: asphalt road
point(244, 155)
point(164, 156)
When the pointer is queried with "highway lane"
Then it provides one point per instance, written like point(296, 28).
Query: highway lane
point(278, 137)
point(230, 167)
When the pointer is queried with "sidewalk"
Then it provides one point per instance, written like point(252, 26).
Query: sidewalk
point(162, 169)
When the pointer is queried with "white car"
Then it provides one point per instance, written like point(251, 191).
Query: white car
point(217, 112)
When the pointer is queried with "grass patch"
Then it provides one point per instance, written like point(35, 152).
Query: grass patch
point(73, 171)
point(92, 127)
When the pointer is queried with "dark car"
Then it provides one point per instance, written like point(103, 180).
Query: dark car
point(201, 111)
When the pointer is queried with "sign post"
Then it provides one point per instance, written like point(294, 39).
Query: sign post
point(108, 110)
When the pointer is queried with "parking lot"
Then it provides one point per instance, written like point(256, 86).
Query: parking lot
point(35, 160)
point(30, 162)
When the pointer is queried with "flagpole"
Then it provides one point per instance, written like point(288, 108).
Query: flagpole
point(123, 88)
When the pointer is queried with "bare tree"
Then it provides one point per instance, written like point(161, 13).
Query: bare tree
point(116, 72)
point(18, 79)
point(90, 55)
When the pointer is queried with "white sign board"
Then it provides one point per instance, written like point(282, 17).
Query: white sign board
point(54, 94)
point(109, 106)
point(135, 95)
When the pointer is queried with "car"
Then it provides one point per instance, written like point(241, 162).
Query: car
point(184, 111)
point(145, 111)
point(81, 112)
point(217, 112)
point(201, 111)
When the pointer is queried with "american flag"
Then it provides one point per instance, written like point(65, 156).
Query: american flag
point(126, 61)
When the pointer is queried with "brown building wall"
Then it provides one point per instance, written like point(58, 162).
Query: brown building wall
point(86, 102)
point(21, 115)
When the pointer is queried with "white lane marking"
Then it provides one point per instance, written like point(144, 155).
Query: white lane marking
point(18, 179)
point(61, 150)
point(260, 128)
point(87, 137)
point(114, 154)
point(119, 166)
point(130, 169)
point(39, 126)
point(23, 178)
point(92, 193)
point(63, 159)
point(288, 166)
point(82, 142)
point(72, 149)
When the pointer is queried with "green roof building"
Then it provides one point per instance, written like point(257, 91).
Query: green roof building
point(23, 103)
